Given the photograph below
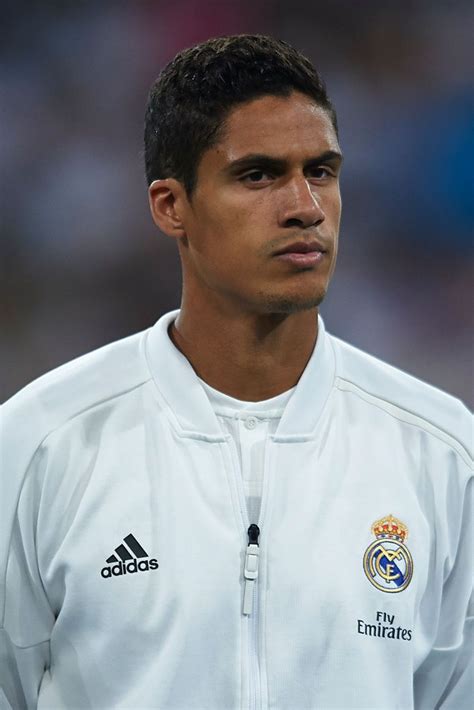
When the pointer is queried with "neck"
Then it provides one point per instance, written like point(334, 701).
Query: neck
point(248, 356)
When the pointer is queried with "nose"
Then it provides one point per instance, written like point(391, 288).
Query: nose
point(300, 206)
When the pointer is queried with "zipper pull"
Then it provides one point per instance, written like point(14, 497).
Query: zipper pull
point(251, 567)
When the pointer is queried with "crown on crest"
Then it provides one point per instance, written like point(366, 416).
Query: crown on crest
point(390, 527)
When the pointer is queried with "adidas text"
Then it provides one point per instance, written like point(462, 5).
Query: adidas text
point(129, 568)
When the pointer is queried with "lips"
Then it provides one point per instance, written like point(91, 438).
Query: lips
point(301, 255)
point(301, 248)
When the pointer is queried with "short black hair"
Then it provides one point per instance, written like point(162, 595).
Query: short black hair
point(196, 91)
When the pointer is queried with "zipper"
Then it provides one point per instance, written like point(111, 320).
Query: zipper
point(251, 569)
point(250, 602)
point(250, 609)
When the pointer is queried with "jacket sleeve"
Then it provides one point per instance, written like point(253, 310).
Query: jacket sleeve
point(445, 680)
point(26, 618)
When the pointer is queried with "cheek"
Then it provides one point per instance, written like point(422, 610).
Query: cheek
point(231, 228)
point(338, 208)
point(220, 220)
point(333, 207)
point(218, 246)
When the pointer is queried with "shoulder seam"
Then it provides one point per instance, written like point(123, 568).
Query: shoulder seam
point(30, 645)
point(82, 411)
point(397, 411)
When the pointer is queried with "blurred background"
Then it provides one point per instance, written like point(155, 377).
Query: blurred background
point(81, 261)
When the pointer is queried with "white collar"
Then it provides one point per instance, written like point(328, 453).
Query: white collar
point(189, 406)
point(227, 406)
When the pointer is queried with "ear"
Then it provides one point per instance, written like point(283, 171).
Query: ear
point(168, 201)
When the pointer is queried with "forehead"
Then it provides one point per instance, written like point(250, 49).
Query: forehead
point(279, 126)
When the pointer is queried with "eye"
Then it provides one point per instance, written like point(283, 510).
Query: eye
point(320, 173)
point(255, 176)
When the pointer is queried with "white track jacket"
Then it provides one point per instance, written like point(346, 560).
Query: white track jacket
point(130, 577)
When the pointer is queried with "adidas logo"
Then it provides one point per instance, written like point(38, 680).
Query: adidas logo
point(129, 559)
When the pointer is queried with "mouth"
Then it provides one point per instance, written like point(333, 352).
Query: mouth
point(301, 253)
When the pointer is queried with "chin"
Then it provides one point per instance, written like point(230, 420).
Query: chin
point(287, 304)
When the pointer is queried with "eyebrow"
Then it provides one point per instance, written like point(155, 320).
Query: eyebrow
point(279, 165)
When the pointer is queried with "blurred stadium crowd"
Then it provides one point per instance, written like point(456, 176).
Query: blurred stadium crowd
point(81, 262)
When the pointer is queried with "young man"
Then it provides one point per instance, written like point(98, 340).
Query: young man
point(235, 509)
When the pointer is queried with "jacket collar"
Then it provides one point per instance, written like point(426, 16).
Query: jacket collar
point(189, 406)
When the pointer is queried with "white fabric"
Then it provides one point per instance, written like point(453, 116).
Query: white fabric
point(121, 448)
point(249, 424)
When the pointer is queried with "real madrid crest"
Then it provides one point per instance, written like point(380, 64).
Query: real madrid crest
point(387, 562)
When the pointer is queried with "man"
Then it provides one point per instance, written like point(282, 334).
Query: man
point(235, 509)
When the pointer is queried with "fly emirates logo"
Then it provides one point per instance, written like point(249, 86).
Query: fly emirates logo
point(384, 627)
point(129, 557)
